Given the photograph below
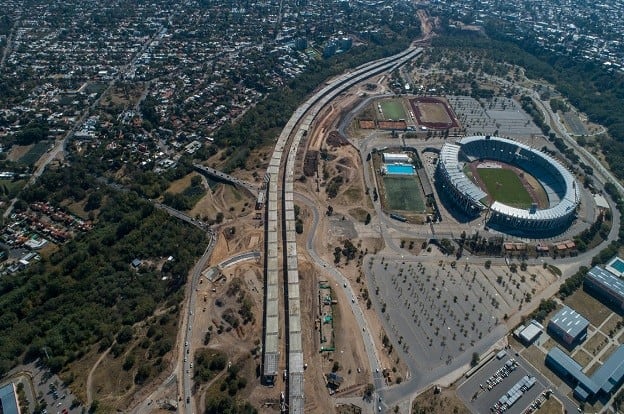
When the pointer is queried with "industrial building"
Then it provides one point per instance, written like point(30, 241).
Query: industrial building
point(604, 382)
point(568, 326)
point(527, 335)
point(606, 286)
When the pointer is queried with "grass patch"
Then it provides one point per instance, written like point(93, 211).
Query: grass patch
point(359, 214)
point(403, 194)
point(393, 109)
point(551, 406)
point(595, 343)
point(583, 358)
point(353, 194)
point(33, 155)
point(592, 309)
point(505, 186)
point(445, 402)
point(11, 188)
point(537, 358)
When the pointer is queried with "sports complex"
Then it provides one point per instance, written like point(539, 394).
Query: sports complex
point(518, 189)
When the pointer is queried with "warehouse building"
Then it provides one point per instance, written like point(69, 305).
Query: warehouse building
point(604, 382)
point(569, 327)
point(606, 286)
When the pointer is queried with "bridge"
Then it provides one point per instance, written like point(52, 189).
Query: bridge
point(221, 176)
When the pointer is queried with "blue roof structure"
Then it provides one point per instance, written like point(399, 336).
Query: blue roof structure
point(611, 374)
point(8, 400)
point(606, 379)
point(568, 322)
point(607, 282)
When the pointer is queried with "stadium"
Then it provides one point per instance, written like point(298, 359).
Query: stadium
point(516, 169)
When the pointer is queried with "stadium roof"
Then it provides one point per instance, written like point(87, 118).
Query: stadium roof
point(449, 156)
point(569, 321)
point(567, 203)
point(607, 280)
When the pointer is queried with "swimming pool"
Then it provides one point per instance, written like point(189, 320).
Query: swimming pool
point(399, 169)
point(617, 264)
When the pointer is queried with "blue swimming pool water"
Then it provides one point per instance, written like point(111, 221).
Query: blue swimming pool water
point(400, 169)
point(618, 265)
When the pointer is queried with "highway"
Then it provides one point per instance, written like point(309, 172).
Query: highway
point(185, 357)
point(367, 334)
point(226, 177)
point(280, 175)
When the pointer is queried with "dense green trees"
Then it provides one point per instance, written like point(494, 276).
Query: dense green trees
point(86, 292)
point(263, 123)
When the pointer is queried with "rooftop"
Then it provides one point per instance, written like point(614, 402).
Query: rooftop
point(606, 378)
point(607, 279)
point(569, 321)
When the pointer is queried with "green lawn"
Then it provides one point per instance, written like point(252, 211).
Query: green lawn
point(32, 156)
point(404, 194)
point(505, 187)
point(393, 109)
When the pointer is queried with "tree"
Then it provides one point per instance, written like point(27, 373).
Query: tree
point(475, 359)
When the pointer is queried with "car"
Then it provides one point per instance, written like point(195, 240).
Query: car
point(186, 343)
point(345, 285)
point(191, 365)
point(65, 411)
point(185, 359)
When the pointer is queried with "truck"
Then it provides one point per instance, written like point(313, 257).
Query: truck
point(398, 217)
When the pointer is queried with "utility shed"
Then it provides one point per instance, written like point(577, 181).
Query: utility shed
point(568, 326)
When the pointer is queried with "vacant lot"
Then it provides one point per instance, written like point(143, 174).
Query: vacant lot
point(504, 186)
point(433, 112)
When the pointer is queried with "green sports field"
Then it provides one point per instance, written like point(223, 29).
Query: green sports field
point(393, 109)
point(404, 194)
point(505, 187)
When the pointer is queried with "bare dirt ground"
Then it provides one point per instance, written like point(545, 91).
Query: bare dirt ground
point(350, 207)
point(443, 403)
point(18, 151)
point(240, 344)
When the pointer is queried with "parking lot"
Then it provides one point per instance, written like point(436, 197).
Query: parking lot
point(494, 375)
